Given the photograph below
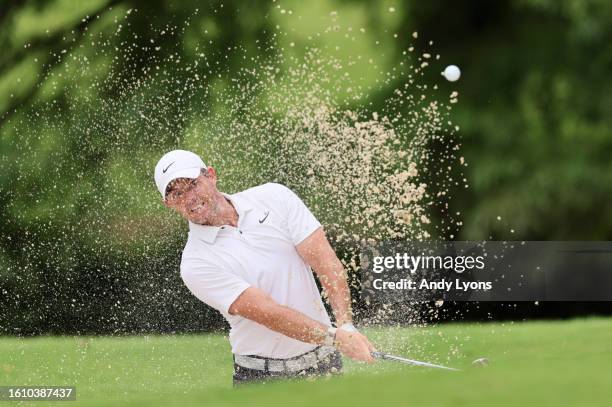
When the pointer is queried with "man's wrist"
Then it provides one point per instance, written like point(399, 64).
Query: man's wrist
point(330, 338)
point(348, 326)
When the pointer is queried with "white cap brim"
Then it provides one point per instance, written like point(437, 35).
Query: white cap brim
point(182, 173)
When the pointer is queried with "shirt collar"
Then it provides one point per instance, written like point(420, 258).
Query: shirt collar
point(209, 233)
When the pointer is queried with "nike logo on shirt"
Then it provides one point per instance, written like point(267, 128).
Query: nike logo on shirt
point(264, 218)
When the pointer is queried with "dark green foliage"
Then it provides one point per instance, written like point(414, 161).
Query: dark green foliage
point(83, 235)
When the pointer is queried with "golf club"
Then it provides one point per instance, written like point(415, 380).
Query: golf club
point(385, 356)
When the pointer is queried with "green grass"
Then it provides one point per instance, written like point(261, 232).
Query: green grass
point(543, 363)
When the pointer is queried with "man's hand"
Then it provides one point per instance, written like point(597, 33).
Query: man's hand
point(354, 345)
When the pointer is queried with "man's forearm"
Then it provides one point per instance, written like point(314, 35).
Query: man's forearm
point(296, 325)
point(334, 282)
point(256, 305)
point(319, 254)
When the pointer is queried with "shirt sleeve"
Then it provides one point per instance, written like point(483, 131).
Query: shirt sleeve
point(212, 285)
point(301, 223)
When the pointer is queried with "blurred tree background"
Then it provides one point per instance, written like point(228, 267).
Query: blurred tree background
point(85, 244)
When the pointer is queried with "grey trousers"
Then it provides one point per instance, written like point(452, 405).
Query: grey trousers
point(332, 364)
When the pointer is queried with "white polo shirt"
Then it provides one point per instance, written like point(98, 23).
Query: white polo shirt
point(219, 263)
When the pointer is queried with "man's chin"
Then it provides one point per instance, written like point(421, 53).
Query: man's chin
point(200, 220)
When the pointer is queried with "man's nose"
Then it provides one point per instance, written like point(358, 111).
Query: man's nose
point(192, 202)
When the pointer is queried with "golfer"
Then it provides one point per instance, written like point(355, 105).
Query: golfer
point(249, 255)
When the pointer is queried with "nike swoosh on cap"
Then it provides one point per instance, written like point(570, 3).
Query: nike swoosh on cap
point(166, 169)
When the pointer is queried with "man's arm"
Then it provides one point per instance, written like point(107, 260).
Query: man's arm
point(307, 235)
point(319, 254)
point(256, 305)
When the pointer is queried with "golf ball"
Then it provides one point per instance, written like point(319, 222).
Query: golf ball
point(451, 73)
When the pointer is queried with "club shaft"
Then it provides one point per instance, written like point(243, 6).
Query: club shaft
point(386, 356)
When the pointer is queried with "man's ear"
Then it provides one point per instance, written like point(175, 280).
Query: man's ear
point(212, 174)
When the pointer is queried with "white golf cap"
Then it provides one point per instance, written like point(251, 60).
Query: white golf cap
point(177, 164)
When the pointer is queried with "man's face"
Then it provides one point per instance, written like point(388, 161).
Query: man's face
point(195, 199)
